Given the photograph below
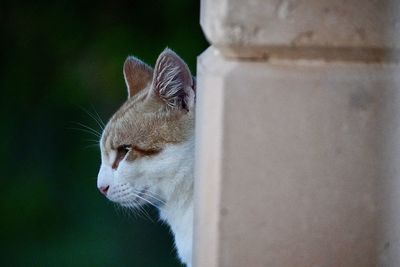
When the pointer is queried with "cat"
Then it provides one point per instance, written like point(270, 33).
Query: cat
point(147, 147)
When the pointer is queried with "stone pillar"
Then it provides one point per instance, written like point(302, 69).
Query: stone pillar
point(298, 134)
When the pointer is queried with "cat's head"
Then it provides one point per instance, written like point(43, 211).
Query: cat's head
point(145, 144)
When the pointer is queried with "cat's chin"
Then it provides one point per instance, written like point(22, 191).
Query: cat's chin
point(129, 197)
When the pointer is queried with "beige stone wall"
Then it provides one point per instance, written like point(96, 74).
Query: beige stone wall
point(350, 29)
point(298, 134)
point(389, 181)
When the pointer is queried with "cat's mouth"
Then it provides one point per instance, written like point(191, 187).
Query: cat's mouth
point(128, 196)
point(131, 197)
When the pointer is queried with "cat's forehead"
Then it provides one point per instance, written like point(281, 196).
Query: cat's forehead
point(128, 123)
point(142, 123)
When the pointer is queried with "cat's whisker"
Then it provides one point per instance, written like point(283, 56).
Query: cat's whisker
point(85, 131)
point(98, 116)
point(146, 193)
point(99, 123)
point(146, 200)
point(93, 140)
point(155, 198)
point(150, 194)
point(135, 207)
point(117, 208)
point(138, 208)
point(91, 146)
point(147, 215)
point(131, 211)
point(135, 210)
point(88, 128)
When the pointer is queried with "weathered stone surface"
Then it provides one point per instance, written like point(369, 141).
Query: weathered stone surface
point(264, 28)
point(295, 165)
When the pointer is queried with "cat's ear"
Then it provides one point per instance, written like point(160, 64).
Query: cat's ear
point(137, 75)
point(172, 81)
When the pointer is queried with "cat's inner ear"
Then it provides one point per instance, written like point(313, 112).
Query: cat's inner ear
point(137, 75)
point(172, 81)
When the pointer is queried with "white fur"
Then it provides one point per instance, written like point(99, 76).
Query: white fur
point(168, 176)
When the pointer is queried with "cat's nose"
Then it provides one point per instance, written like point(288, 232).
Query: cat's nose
point(104, 189)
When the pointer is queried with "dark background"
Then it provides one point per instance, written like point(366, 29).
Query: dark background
point(56, 59)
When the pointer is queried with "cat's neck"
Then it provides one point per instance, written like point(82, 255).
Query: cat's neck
point(178, 208)
point(179, 194)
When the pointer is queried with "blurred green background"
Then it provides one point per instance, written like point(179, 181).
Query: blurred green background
point(58, 57)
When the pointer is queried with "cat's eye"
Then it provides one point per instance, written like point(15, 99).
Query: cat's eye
point(121, 153)
point(146, 152)
point(125, 148)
